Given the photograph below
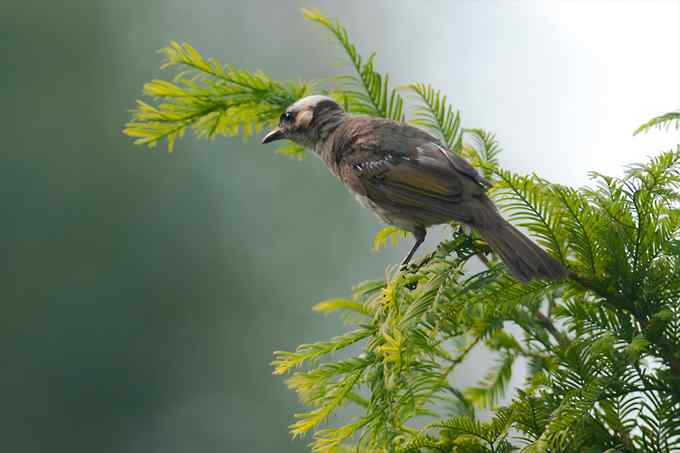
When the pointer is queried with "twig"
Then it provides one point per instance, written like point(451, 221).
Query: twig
point(617, 302)
point(548, 325)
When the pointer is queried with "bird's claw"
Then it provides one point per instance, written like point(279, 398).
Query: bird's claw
point(411, 267)
point(406, 267)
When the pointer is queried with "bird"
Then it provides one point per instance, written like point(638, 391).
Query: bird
point(409, 179)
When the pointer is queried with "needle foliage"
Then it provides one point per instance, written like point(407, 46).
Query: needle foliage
point(601, 349)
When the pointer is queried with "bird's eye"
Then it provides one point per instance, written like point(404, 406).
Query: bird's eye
point(286, 117)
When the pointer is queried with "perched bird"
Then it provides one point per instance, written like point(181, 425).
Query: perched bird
point(409, 179)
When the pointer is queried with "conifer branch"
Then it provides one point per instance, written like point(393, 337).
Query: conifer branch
point(662, 122)
point(548, 325)
point(375, 96)
point(209, 97)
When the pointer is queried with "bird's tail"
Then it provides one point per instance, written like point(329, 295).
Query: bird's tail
point(525, 260)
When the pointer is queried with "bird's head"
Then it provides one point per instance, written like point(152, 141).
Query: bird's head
point(307, 121)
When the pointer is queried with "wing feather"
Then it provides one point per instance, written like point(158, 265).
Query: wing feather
point(403, 169)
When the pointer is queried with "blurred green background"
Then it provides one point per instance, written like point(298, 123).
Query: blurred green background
point(143, 293)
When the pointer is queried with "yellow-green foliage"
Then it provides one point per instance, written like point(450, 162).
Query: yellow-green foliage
point(211, 98)
point(387, 235)
point(602, 347)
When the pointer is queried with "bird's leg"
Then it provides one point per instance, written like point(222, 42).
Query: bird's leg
point(464, 229)
point(419, 234)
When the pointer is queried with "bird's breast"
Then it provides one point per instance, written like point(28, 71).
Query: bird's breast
point(365, 201)
point(388, 216)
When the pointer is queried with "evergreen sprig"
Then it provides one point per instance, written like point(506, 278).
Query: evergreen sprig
point(213, 99)
point(662, 122)
point(482, 150)
point(435, 113)
point(602, 348)
point(369, 91)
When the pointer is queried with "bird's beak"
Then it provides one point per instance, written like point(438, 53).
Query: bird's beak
point(275, 134)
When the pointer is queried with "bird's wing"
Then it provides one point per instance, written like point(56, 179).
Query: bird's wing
point(418, 176)
point(458, 163)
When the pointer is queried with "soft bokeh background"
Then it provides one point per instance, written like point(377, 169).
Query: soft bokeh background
point(143, 293)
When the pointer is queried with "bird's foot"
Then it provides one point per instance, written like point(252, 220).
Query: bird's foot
point(408, 272)
point(413, 267)
point(408, 267)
